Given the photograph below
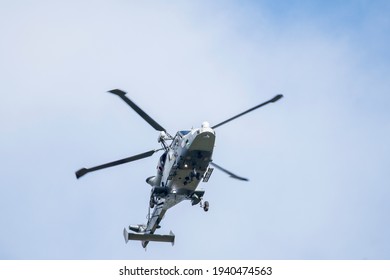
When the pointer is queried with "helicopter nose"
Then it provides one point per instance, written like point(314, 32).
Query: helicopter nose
point(204, 140)
point(205, 124)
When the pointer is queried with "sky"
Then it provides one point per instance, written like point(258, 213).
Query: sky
point(317, 159)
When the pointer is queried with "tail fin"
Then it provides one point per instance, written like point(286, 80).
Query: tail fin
point(148, 237)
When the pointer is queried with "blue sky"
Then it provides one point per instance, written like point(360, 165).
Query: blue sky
point(317, 160)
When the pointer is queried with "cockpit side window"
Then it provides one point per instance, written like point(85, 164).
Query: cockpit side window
point(184, 132)
point(163, 158)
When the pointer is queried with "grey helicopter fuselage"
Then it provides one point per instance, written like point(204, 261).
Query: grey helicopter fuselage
point(182, 166)
point(184, 163)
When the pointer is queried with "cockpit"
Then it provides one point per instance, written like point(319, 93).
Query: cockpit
point(184, 132)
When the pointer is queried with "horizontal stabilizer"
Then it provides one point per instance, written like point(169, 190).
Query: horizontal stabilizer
point(149, 237)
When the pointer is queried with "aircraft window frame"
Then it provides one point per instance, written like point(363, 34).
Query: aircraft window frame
point(184, 132)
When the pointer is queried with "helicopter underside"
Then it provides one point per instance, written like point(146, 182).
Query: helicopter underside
point(190, 171)
point(190, 161)
point(184, 164)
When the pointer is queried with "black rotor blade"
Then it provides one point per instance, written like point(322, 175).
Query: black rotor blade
point(140, 112)
point(228, 172)
point(276, 98)
point(84, 171)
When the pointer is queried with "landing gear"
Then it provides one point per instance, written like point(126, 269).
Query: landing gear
point(205, 205)
point(197, 197)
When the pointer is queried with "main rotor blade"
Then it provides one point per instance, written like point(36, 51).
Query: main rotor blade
point(140, 112)
point(276, 98)
point(84, 171)
point(228, 172)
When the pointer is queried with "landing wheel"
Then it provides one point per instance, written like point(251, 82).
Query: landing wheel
point(206, 206)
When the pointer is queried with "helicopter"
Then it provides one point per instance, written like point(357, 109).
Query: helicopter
point(185, 162)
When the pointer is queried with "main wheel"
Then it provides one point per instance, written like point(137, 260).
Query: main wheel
point(206, 206)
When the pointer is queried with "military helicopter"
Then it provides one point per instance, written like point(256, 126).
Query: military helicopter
point(185, 162)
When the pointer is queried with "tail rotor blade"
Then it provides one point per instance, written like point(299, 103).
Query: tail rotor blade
point(276, 98)
point(139, 111)
point(84, 171)
point(228, 172)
